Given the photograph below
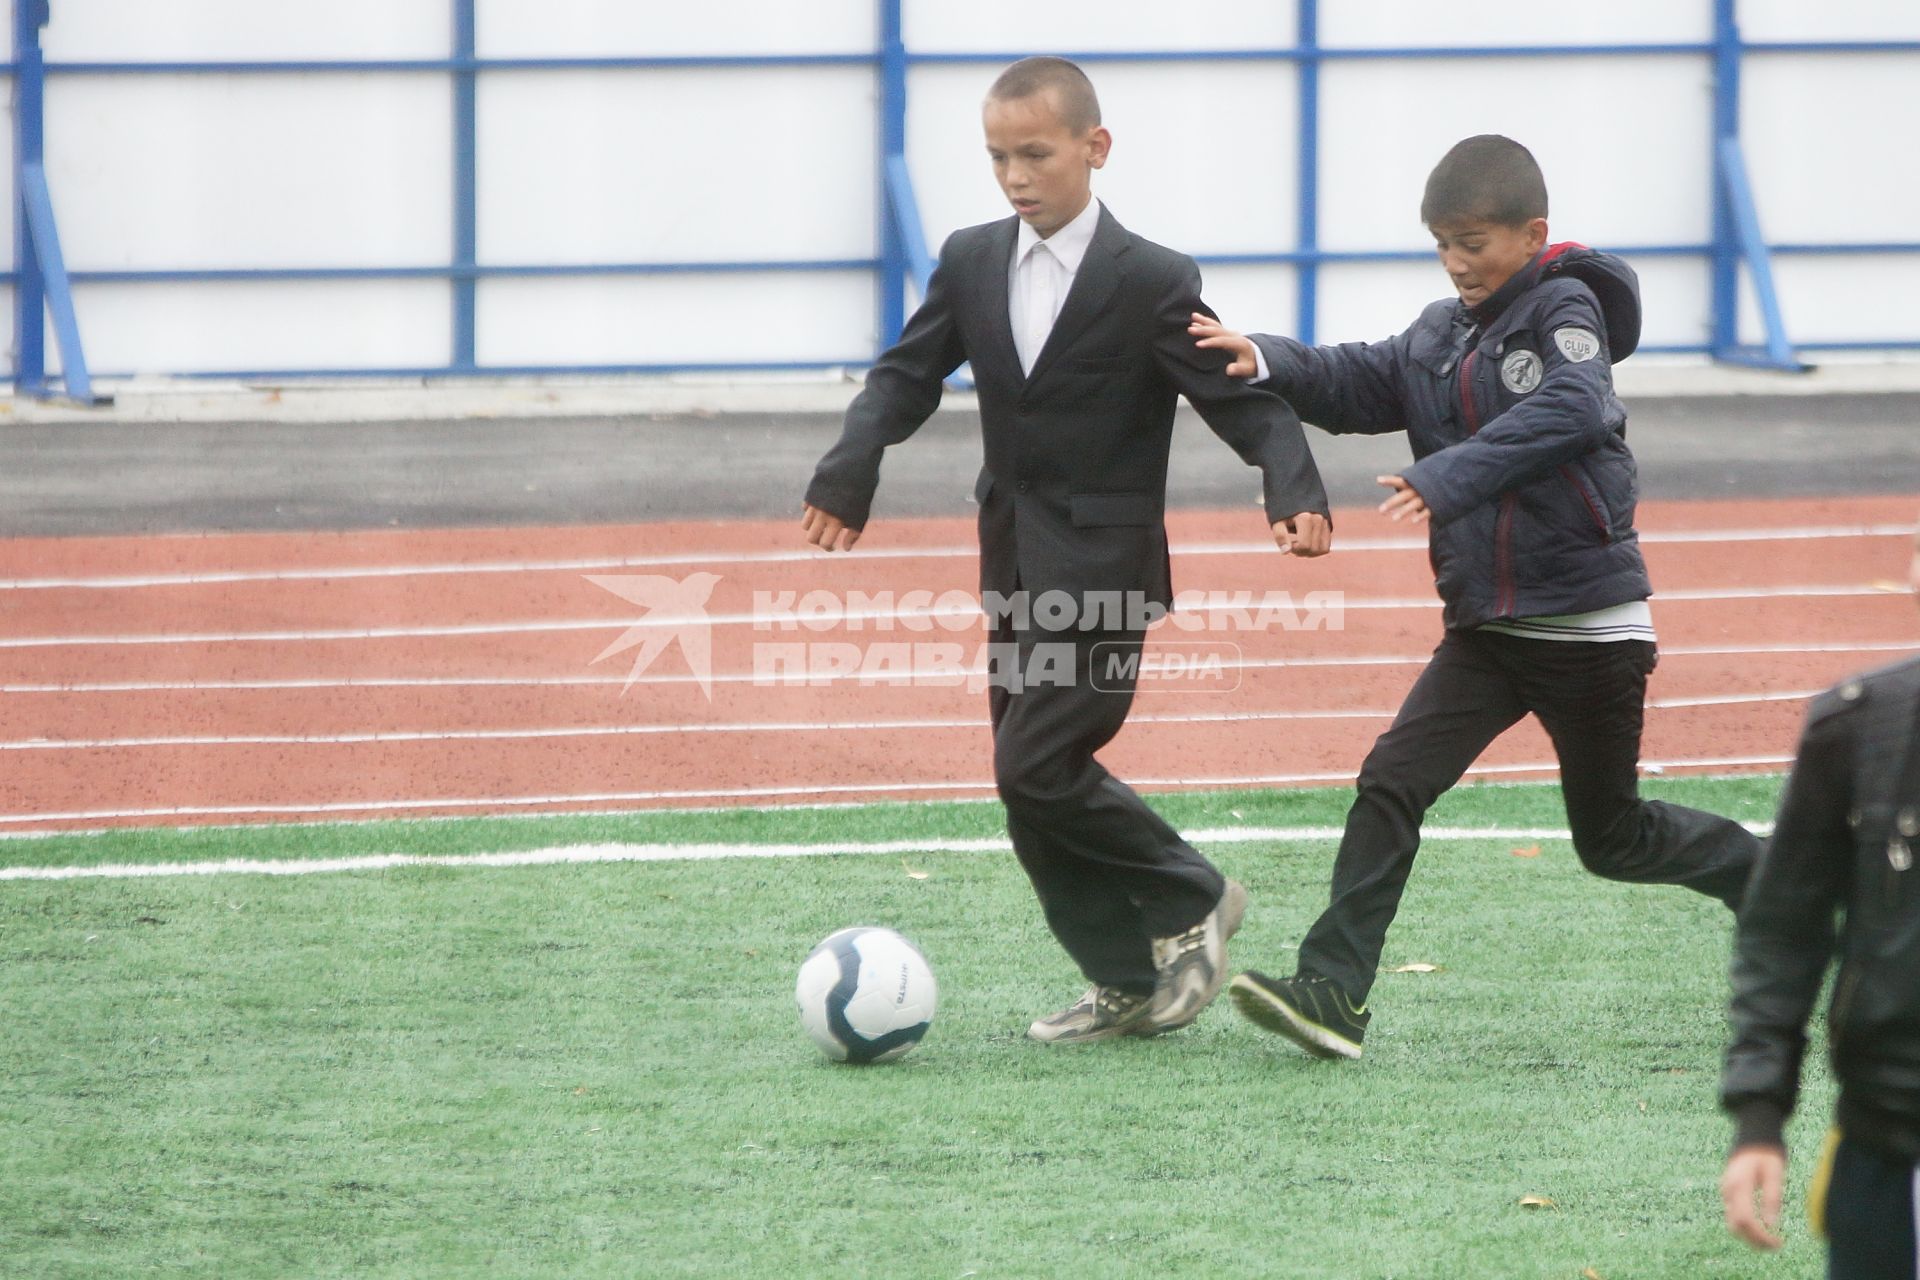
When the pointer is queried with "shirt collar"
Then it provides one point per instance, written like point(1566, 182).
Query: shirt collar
point(1069, 244)
point(1490, 308)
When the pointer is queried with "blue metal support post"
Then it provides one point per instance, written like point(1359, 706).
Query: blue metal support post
point(1307, 217)
point(1738, 193)
point(41, 285)
point(29, 292)
point(894, 263)
point(1736, 221)
point(906, 216)
point(465, 195)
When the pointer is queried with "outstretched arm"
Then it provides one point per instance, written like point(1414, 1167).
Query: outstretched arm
point(1352, 388)
point(1261, 427)
point(902, 391)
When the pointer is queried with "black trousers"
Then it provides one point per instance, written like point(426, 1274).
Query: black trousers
point(1870, 1214)
point(1110, 874)
point(1591, 698)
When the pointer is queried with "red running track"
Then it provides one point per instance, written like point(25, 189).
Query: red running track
point(255, 678)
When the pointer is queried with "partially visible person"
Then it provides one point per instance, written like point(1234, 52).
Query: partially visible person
point(1843, 845)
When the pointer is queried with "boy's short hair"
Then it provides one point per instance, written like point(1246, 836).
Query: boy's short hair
point(1079, 108)
point(1485, 178)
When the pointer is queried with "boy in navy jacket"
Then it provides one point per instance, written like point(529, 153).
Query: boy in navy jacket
point(1521, 469)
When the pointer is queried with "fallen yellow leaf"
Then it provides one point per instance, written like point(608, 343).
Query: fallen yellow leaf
point(1531, 851)
point(911, 873)
point(1538, 1202)
point(1590, 1274)
point(1417, 968)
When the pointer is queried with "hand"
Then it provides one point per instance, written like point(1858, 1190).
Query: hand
point(1750, 1170)
point(1405, 503)
point(1211, 333)
point(827, 532)
point(1306, 534)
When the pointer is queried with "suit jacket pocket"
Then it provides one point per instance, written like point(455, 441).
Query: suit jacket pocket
point(1095, 510)
point(1104, 366)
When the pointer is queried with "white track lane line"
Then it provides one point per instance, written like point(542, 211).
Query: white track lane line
point(931, 617)
point(600, 563)
point(591, 854)
point(913, 789)
point(876, 678)
point(378, 736)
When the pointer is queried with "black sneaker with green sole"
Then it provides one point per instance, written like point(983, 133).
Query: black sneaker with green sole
point(1311, 1012)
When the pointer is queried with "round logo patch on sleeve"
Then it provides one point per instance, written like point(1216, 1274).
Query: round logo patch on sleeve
point(1577, 344)
point(1520, 371)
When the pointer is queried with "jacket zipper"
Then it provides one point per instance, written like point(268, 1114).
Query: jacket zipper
point(1466, 393)
point(1598, 522)
point(1843, 1000)
point(1503, 557)
point(1503, 529)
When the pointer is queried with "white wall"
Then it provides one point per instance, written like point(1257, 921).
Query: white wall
point(704, 165)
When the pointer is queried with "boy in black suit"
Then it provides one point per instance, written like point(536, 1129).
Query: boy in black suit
point(1076, 331)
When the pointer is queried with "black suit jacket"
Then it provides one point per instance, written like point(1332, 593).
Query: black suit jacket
point(1073, 493)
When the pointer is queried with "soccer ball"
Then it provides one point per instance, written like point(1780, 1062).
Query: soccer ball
point(865, 995)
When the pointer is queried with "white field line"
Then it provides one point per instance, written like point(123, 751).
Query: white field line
point(917, 790)
point(945, 618)
point(803, 806)
point(594, 563)
point(379, 736)
point(588, 854)
point(824, 678)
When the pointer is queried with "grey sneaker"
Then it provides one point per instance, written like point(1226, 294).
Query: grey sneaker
point(1311, 1012)
point(1193, 965)
point(1101, 1014)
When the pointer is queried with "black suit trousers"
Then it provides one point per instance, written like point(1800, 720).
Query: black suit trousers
point(1591, 699)
point(1110, 874)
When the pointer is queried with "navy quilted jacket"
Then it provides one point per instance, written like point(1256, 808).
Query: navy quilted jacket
point(1519, 443)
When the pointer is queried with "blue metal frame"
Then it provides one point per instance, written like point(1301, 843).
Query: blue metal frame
point(1307, 198)
point(41, 282)
point(1736, 221)
point(897, 204)
point(29, 292)
point(466, 199)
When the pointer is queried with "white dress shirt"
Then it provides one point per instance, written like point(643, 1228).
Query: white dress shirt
point(1039, 276)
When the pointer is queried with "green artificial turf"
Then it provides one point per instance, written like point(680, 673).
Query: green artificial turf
point(586, 1071)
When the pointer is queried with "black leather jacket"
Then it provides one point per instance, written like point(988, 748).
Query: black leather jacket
point(1846, 839)
point(1519, 442)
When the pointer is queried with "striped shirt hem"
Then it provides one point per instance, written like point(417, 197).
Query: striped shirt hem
point(1630, 621)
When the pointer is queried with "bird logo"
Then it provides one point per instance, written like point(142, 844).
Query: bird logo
point(676, 610)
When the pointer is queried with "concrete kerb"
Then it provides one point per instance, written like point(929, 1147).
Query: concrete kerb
point(418, 399)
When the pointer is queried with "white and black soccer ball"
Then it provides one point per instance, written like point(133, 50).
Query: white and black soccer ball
point(866, 995)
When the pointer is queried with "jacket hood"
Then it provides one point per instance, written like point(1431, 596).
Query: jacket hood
point(1613, 282)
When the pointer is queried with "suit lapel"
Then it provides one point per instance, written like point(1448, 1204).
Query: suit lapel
point(1093, 285)
point(993, 296)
